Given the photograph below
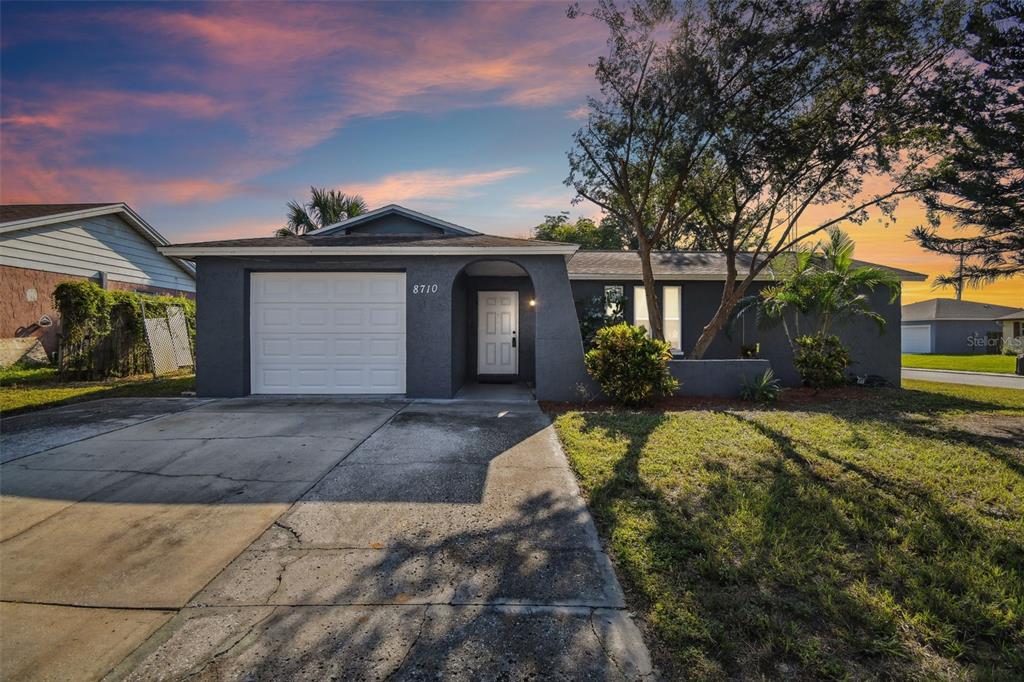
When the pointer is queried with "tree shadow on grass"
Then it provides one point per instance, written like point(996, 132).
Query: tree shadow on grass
point(780, 567)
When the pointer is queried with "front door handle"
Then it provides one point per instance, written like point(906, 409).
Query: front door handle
point(513, 339)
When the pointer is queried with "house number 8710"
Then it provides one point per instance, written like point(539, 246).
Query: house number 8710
point(424, 288)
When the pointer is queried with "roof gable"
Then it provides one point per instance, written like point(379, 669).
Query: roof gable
point(393, 219)
point(952, 309)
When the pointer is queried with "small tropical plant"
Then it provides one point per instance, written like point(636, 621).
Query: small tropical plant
point(819, 287)
point(821, 360)
point(629, 366)
point(762, 389)
point(325, 207)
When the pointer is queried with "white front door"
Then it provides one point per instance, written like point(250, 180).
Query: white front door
point(497, 332)
point(327, 332)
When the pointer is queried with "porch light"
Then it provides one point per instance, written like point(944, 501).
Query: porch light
point(533, 302)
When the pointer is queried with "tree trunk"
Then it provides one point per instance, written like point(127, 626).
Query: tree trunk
point(653, 308)
point(720, 318)
point(712, 328)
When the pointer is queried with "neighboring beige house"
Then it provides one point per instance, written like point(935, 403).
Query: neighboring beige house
point(1013, 325)
point(42, 245)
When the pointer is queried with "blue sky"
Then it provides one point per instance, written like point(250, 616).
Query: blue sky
point(208, 118)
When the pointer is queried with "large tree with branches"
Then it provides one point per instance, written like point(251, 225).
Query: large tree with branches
point(743, 114)
point(980, 187)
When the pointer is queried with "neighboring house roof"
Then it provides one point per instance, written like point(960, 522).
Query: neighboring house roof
point(343, 244)
point(952, 309)
point(678, 265)
point(14, 217)
point(1015, 315)
point(390, 209)
point(16, 212)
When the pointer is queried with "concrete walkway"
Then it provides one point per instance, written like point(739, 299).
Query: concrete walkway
point(957, 377)
point(309, 539)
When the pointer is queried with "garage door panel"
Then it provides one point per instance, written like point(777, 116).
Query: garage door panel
point(328, 332)
point(916, 338)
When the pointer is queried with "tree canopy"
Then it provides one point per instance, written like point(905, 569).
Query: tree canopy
point(584, 231)
point(980, 186)
point(736, 116)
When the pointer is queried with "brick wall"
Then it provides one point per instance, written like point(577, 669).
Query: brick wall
point(25, 298)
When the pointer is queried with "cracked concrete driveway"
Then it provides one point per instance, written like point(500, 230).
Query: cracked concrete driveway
point(268, 538)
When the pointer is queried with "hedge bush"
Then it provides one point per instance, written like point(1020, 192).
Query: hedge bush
point(103, 333)
point(821, 360)
point(629, 366)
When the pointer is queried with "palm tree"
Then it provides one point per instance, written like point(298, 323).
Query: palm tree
point(821, 284)
point(325, 207)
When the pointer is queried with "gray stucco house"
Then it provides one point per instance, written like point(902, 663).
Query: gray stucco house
point(951, 327)
point(398, 302)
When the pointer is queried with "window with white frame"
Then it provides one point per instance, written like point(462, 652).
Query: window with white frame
point(672, 310)
point(611, 295)
point(640, 316)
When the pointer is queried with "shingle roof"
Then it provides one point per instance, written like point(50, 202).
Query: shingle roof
point(383, 240)
point(1015, 315)
point(664, 263)
point(12, 212)
point(674, 265)
point(952, 309)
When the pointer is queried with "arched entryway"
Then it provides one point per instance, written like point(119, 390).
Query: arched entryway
point(493, 329)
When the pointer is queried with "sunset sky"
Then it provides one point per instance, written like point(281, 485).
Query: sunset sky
point(208, 118)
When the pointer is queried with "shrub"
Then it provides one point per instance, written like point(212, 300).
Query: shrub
point(629, 366)
point(1013, 346)
point(763, 389)
point(821, 360)
point(103, 333)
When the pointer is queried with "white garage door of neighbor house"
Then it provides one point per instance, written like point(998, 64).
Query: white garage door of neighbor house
point(327, 332)
point(916, 338)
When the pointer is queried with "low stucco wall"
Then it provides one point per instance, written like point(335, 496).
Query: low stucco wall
point(719, 378)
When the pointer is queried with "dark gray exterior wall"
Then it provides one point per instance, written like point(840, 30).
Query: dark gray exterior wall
point(960, 337)
point(460, 322)
point(435, 357)
point(871, 353)
point(394, 224)
point(953, 337)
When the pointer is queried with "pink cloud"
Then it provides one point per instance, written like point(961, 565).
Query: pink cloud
point(427, 185)
point(286, 78)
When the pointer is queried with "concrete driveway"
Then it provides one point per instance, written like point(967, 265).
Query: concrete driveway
point(303, 538)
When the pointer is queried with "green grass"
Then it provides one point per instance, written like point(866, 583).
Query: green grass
point(24, 390)
point(1004, 364)
point(857, 538)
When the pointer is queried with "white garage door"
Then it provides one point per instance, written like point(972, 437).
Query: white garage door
point(916, 338)
point(327, 332)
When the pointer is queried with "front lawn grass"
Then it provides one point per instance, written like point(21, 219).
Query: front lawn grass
point(873, 538)
point(24, 390)
point(1003, 364)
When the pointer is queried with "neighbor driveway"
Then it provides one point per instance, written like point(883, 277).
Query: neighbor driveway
point(303, 538)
